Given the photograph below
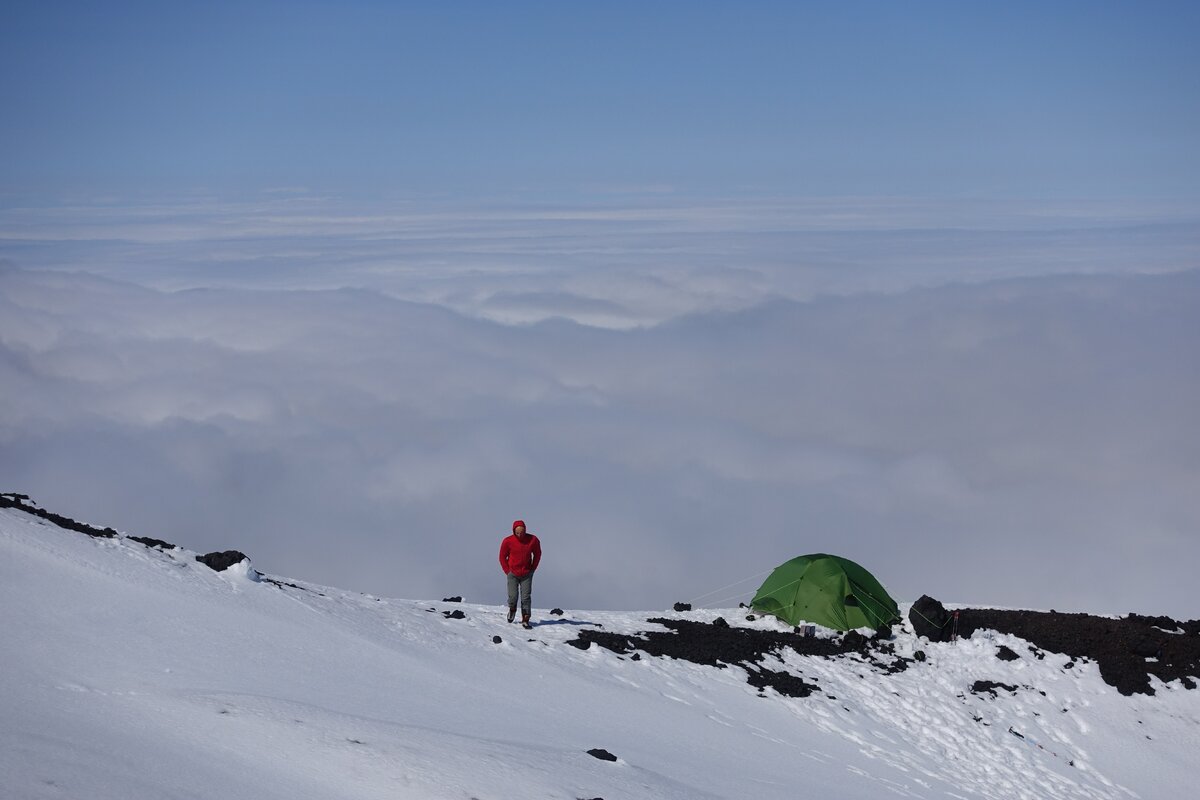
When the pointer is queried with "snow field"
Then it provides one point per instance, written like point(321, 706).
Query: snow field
point(132, 672)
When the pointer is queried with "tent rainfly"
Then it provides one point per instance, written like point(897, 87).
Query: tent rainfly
point(826, 590)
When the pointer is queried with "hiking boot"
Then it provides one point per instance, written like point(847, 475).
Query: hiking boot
point(512, 612)
point(525, 622)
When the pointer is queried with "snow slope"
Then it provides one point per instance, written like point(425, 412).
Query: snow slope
point(131, 672)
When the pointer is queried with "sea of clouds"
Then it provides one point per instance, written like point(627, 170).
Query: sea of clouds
point(1001, 410)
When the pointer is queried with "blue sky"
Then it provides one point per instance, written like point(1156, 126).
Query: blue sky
point(552, 100)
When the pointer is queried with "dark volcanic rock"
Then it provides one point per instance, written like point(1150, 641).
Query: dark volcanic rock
point(603, 755)
point(855, 641)
point(1116, 645)
point(221, 561)
point(1006, 654)
point(21, 502)
point(455, 599)
point(979, 687)
point(783, 682)
point(1146, 647)
point(720, 645)
point(496, 640)
point(455, 614)
point(159, 543)
point(930, 619)
point(1167, 624)
point(682, 606)
point(558, 612)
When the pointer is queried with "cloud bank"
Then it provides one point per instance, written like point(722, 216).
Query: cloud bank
point(632, 261)
point(1022, 442)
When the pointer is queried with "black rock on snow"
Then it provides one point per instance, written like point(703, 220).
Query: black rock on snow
point(1120, 647)
point(930, 619)
point(159, 543)
point(21, 502)
point(720, 644)
point(1006, 654)
point(221, 561)
point(990, 687)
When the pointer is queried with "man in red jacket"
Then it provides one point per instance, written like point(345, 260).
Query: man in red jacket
point(520, 555)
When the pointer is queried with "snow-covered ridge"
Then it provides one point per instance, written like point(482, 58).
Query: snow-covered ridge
point(133, 670)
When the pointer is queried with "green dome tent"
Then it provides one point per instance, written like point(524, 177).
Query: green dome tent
point(826, 590)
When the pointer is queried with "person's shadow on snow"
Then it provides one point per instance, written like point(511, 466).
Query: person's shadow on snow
point(540, 623)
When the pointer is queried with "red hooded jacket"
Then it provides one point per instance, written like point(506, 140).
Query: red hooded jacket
point(520, 555)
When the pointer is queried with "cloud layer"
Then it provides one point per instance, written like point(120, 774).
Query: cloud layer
point(620, 261)
point(1022, 442)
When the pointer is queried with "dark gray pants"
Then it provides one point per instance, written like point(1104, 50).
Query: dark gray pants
point(523, 586)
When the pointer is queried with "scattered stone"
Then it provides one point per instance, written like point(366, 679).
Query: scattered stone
point(455, 599)
point(855, 641)
point(1006, 654)
point(750, 618)
point(720, 622)
point(636, 657)
point(783, 682)
point(558, 612)
point(222, 560)
point(455, 614)
point(496, 640)
point(920, 655)
point(603, 755)
point(682, 606)
point(721, 646)
point(979, 687)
